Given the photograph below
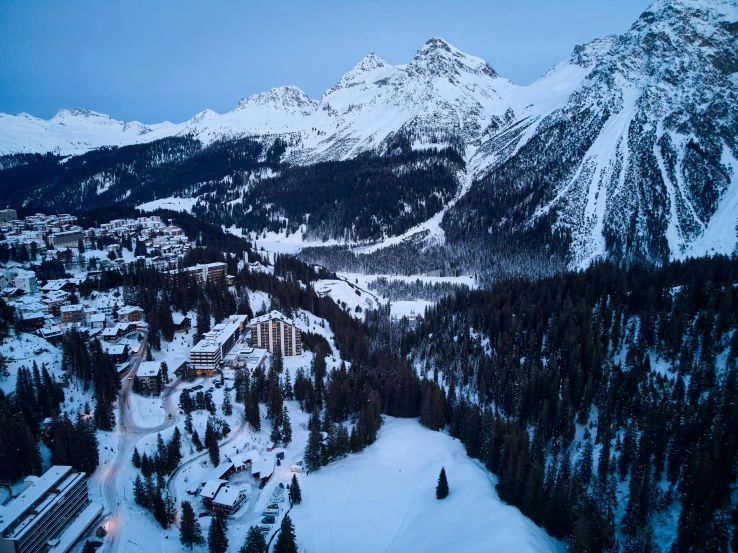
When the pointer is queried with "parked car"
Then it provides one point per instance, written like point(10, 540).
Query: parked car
point(264, 529)
point(269, 513)
point(269, 519)
point(278, 499)
point(273, 506)
point(296, 468)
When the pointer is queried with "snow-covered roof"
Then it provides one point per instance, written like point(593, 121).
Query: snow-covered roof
point(178, 318)
point(115, 349)
point(128, 309)
point(97, 318)
point(72, 308)
point(219, 471)
point(205, 346)
point(271, 316)
point(228, 496)
point(211, 488)
point(13, 510)
point(262, 466)
point(149, 369)
point(240, 459)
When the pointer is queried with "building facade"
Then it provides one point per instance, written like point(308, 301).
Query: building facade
point(72, 313)
point(49, 506)
point(275, 332)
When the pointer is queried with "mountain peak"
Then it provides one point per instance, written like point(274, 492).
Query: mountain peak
point(369, 62)
point(282, 98)
point(79, 113)
point(438, 58)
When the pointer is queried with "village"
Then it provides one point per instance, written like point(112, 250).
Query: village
point(52, 308)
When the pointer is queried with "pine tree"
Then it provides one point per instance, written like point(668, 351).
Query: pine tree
point(196, 441)
point(255, 542)
point(190, 533)
point(88, 547)
point(286, 540)
point(213, 448)
point(227, 408)
point(314, 447)
point(139, 492)
point(253, 416)
point(442, 487)
point(217, 540)
point(136, 458)
point(295, 492)
point(286, 428)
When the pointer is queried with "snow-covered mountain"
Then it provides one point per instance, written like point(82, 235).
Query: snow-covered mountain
point(627, 149)
point(639, 162)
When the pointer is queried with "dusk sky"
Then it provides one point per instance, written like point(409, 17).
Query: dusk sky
point(167, 60)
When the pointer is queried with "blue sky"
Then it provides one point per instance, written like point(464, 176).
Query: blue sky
point(155, 60)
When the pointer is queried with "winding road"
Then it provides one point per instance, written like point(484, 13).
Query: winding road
point(129, 433)
point(170, 482)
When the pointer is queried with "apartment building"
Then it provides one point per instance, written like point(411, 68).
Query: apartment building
point(149, 375)
point(53, 510)
point(207, 272)
point(66, 239)
point(207, 354)
point(275, 332)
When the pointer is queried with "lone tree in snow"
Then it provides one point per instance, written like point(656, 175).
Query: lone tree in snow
point(189, 530)
point(255, 542)
point(286, 540)
point(442, 488)
point(295, 493)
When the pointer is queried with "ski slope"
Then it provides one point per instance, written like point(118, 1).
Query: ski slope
point(383, 500)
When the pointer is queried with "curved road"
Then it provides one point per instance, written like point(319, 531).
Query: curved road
point(170, 482)
point(129, 434)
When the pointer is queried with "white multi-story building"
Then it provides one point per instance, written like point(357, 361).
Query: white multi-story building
point(53, 509)
point(275, 332)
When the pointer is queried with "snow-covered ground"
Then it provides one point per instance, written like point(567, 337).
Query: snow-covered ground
point(383, 499)
point(175, 204)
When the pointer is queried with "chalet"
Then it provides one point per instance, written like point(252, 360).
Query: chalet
point(221, 472)
point(262, 468)
point(228, 499)
point(72, 313)
point(54, 301)
point(31, 321)
point(209, 490)
point(53, 334)
point(130, 313)
point(97, 320)
point(118, 353)
point(182, 323)
point(243, 461)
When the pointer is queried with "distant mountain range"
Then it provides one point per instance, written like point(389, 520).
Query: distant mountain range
point(627, 150)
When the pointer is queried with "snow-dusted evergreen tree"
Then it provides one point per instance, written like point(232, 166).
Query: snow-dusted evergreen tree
point(442, 487)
